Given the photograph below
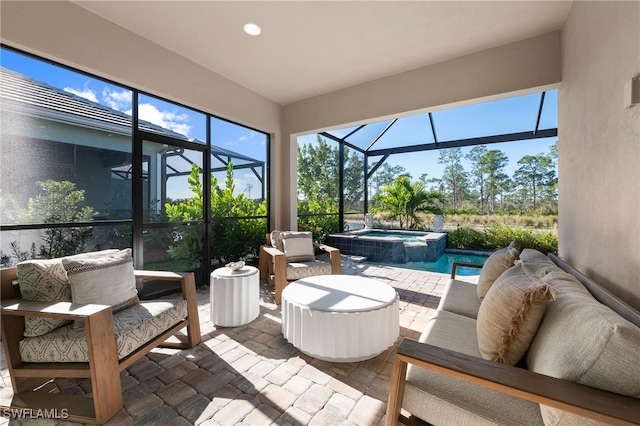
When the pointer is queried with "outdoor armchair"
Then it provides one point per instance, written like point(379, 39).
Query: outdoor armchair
point(290, 256)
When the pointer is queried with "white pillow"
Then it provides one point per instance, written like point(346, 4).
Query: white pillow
point(108, 280)
point(298, 246)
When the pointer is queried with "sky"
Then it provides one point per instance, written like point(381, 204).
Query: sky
point(185, 121)
point(511, 115)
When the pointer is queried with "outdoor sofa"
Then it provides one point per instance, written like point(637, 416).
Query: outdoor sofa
point(535, 342)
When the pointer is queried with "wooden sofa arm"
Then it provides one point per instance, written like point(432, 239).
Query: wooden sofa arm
point(566, 395)
point(60, 310)
point(455, 265)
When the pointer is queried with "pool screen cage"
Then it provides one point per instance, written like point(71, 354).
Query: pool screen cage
point(519, 118)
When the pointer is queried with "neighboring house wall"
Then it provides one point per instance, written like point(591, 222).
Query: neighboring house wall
point(599, 146)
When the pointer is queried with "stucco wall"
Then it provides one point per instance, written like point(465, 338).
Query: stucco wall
point(599, 146)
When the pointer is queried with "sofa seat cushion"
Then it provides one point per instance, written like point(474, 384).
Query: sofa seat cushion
point(437, 398)
point(133, 327)
point(298, 270)
point(460, 297)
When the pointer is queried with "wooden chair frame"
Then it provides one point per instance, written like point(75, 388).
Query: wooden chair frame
point(272, 264)
point(103, 367)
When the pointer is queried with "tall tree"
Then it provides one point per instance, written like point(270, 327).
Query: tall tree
point(493, 163)
point(353, 180)
point(477, 173)
point(318, 167)
point(534, 174)
point(454, 177)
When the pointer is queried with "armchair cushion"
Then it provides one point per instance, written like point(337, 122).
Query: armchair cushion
point(298, 246)
point(45, 280)
point(133, 327)
point(299, 270)
point(107, 280)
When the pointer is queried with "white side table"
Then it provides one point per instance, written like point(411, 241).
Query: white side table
point(235, 296)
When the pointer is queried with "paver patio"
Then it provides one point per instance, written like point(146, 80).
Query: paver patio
point(250, 375)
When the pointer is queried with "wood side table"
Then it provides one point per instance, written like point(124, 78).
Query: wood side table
point(235, 296)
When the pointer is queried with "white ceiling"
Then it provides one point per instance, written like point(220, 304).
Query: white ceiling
point(308, 48)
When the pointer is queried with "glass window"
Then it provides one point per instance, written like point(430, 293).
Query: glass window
point(176, 121)
point(65, 148)
point(238, 191)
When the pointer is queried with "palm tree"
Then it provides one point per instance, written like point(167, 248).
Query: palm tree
point(404, 200)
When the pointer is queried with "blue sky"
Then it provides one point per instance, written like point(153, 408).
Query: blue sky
point(511, 115)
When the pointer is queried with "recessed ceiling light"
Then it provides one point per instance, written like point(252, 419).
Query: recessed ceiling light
point(252, 29)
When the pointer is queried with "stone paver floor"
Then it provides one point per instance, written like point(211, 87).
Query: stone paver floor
point(250, 375)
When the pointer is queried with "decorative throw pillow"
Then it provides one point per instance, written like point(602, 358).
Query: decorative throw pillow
point(494, 266)
point(43, 280)
point(108, 280)
point(298, 246)
point(510, 314)
point(276, 240)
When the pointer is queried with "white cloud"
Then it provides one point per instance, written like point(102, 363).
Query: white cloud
point(120, 101)
point(83, 93)
point(169, 120)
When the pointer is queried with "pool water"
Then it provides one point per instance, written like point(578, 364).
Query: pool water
point(445, 263)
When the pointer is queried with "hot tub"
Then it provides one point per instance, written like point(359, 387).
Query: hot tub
point(391, 246)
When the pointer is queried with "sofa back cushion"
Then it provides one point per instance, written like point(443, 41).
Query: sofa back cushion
point(494, 266)
point(582, 340)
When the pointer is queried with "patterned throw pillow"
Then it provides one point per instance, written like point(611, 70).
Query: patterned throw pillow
point(298, 246)
point(108, 280)
point(494, 266)
point(510, 314)
point(276, 240)
point(43, 280)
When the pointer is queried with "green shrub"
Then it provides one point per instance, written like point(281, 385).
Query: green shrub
point(500, 235)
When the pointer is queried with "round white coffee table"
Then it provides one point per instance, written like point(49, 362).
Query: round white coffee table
point(235, 296)
point(340, 318)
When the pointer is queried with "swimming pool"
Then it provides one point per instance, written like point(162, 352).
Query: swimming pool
point(445, 263)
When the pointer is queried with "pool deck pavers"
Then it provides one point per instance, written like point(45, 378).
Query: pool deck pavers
point(250, 375)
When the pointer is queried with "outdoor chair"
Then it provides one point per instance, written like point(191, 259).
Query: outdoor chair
point(48, 332)
point(290, 256)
